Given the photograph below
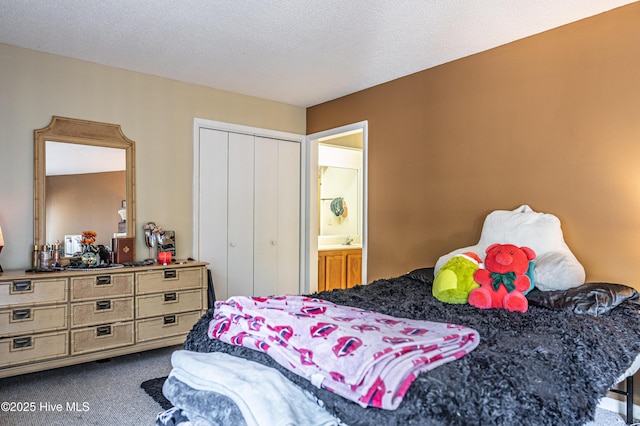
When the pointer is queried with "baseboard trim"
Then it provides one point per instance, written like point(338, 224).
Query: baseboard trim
point(618, 406)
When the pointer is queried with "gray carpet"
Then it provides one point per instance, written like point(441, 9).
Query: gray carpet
point(109, 393)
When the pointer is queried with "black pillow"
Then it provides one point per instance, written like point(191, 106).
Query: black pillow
point(590, 298)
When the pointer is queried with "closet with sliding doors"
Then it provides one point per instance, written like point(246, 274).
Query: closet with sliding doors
point(248, 214)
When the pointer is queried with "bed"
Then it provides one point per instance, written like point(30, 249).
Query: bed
point(550, 365)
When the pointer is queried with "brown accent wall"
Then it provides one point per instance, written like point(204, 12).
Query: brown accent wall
point(552, 121)
point(91, 201)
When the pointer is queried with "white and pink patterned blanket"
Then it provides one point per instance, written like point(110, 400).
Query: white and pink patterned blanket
point(365, 356)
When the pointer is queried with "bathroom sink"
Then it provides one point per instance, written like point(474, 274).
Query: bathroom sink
point(338, 247)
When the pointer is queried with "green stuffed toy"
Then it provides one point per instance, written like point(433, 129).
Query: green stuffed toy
point(454, 280)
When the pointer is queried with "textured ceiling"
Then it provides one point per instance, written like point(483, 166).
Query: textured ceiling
point(301, 52)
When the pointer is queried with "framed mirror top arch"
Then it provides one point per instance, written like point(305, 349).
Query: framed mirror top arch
point(84, 179)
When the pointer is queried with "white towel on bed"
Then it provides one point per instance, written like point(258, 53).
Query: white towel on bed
point(263, 395)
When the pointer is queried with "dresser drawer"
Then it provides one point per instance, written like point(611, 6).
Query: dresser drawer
point(166, 326)
point(101, 286)
point(92, 339)
point(22, 320)
point(168, 279)
point(30, 348)
point(28, 292)
point(168, 303)
point(101, 311)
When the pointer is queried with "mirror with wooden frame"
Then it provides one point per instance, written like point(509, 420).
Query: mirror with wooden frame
point(84, 179)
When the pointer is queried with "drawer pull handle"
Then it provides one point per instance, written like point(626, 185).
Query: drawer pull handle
point(21, 342)
point(20, 314)
point(169, 319)
point(22, 285)
point(104, 330)
point(170, 297)
point(103, 279)
point(101, 305)
point(170, 273)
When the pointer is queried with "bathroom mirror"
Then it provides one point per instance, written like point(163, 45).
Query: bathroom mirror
point(339, 201)
point(340, 194)
point(84, 179)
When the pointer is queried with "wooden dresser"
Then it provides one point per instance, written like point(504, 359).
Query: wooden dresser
point(50, 320)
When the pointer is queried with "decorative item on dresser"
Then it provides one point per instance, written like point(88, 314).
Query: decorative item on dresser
point(50, 320)
point(123, 249)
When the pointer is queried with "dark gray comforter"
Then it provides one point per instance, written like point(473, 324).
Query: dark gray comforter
point(541, 367)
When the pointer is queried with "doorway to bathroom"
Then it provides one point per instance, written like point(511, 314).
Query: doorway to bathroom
point(337, 208)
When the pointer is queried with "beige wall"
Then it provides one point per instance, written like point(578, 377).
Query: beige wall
point(154, 112)
point(552, 121)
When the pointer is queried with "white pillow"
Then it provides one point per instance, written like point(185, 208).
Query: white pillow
point(556, 268)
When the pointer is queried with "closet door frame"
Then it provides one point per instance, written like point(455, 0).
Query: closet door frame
point(199, 123)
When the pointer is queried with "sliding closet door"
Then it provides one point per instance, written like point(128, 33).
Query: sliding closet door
point(277, 217)
point(265, 260)
point(240, 215)
point(249, 213)
point(213, 206)
point(288, 218)
point(226, 210)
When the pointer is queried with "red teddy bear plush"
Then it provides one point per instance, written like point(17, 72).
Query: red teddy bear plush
point(503, 282)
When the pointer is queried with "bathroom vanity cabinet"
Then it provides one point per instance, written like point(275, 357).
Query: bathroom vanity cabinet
point(339, 268)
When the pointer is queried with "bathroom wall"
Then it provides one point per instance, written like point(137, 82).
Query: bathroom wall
point(340, 176)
